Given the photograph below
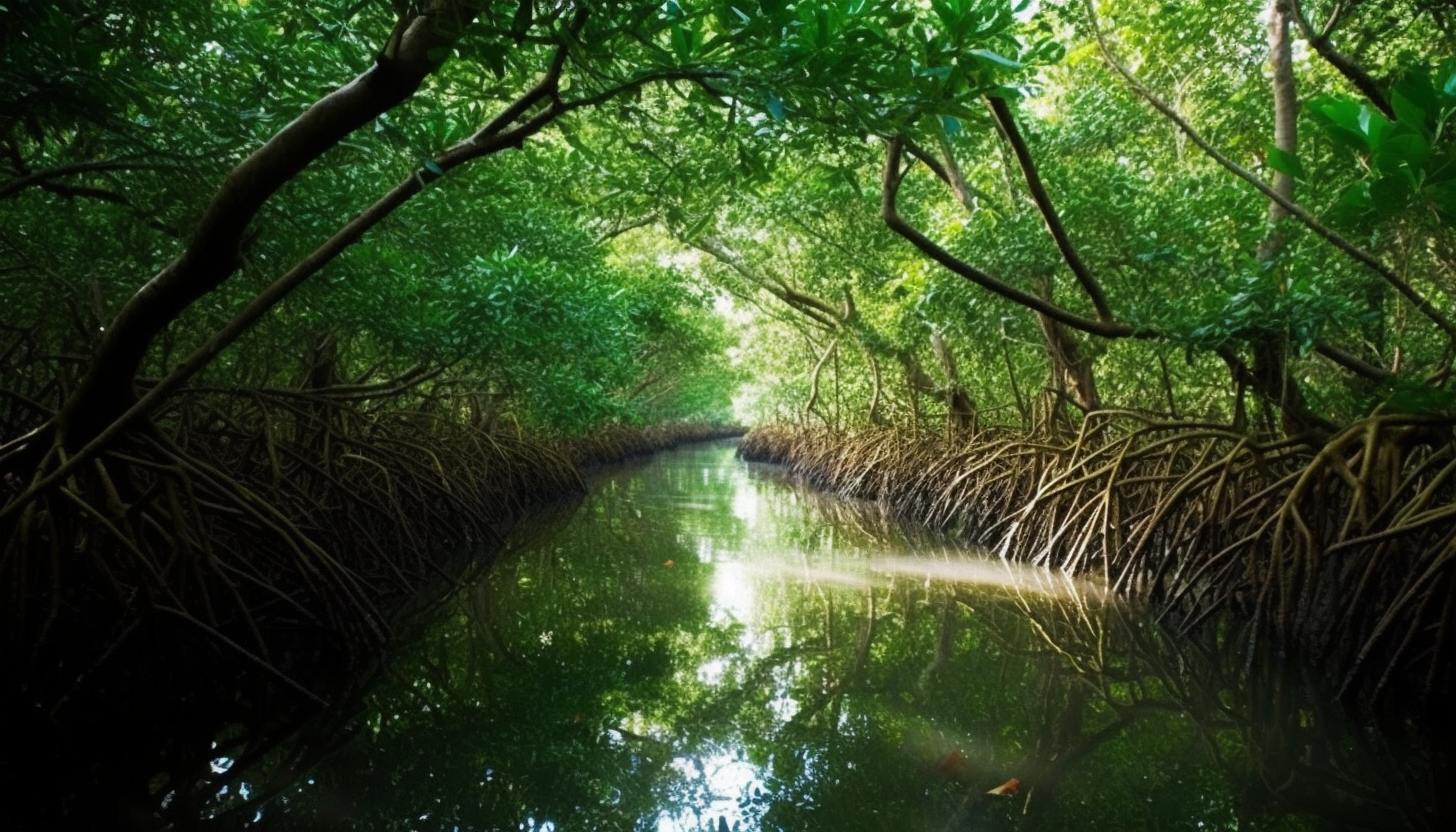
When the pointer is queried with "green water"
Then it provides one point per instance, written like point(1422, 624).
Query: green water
point(702, 645)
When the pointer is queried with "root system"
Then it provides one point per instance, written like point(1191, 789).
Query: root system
point(1341, 549)
point(214, 579)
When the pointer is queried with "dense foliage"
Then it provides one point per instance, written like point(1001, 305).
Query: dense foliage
point(284, 282)
point(687, 153)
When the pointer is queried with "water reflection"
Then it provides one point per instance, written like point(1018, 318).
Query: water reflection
point(703, 646)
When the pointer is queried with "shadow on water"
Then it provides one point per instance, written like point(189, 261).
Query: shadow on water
point(703, 645)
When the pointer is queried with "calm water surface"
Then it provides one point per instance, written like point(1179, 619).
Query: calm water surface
point(701, 645)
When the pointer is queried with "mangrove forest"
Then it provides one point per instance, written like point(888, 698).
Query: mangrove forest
point(725, 416)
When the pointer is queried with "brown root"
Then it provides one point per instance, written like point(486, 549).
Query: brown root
point(1345, 547)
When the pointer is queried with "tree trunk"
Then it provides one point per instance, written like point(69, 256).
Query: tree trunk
point(960, 408)
point(1071, 371)
point(1271, 376)
point(212, 255)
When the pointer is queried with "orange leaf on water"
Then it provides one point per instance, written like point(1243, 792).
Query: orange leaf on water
point(1008, 788)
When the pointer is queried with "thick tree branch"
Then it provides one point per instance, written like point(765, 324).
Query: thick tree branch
point(1353, 363)
point(212, 256)
point(497, 135)
point(1006, 123)
point(891, 215)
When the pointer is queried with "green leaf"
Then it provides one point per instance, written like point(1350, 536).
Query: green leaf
point(1408, 113)
point(522, 20)
point(495, 58)
point(775, 107)
point(1404, 152)
point(682, 42)
point(1357, 196)
point(1390, 194)
point(992, 57)
point(1443, 198)
point(1285, 162)
point(1341, 119)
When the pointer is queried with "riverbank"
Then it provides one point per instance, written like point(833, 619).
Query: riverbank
point(818, 666)
point(259, 586)
point(1339, 549)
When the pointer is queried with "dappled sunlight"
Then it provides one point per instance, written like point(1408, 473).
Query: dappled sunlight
point(732, 592)
point(724, 778)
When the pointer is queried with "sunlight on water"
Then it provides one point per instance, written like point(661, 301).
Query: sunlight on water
point(706, 646)
point(753, 573)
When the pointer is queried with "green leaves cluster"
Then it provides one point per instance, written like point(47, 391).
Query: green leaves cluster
point(1409, 161)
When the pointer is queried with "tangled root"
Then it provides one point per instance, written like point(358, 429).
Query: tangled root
point(240, 561)
point(1342, 546)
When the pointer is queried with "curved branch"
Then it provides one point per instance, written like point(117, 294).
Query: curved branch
point(1342, 63)
point(212, 255)
point(814, 379)
point(1006, 122)
point(40, 178)
point(891, 215)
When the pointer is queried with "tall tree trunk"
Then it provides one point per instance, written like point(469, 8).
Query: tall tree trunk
point(1071, 370)
point(1271, 376)
point(960, 408)
point(917, 383)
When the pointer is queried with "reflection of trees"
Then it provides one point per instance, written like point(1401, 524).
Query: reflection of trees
point(1109, 721)
point(536, 694)
point(1281, 746)
point(588, 683)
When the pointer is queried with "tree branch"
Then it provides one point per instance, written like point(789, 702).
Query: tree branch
point(1353, 363)
point(1342, 63)
point(811, 307)
point(891, 215)
point(41, 178)
point(963, 190)
point(212, 255)
point(1006, 123)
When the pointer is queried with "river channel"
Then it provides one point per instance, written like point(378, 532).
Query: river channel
point(701, 644)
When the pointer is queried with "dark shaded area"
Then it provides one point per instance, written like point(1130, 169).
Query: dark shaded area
point(133, 704)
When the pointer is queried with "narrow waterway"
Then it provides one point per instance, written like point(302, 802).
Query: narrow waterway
point(701, 645)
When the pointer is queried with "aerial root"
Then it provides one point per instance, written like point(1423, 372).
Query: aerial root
point(1337, 544)
point(253, 520)
point(255, 515)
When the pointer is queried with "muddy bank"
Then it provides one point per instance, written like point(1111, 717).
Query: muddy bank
point(1339, 549)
